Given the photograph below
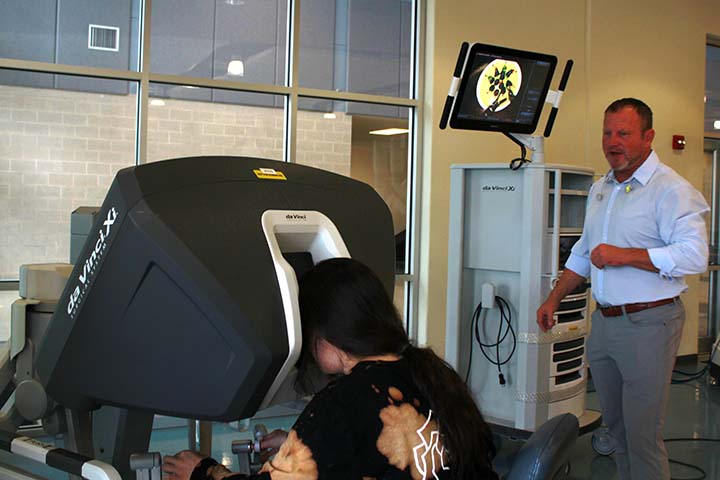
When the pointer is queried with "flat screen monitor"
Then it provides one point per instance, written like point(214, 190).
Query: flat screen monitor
point(502, 89)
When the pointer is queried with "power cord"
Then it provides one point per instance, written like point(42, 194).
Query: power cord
point(691, 376)
point(688, 465)
point(700, 373)
point(472, 344)
point(518, 162)
point(702, 472)
point(504, 328)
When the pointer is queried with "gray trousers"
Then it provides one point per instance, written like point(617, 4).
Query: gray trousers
point(631, 360)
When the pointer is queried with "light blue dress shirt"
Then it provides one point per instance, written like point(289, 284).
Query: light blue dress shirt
point(655, 209)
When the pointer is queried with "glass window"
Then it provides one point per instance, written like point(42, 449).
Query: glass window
point(708, 319)
point(63, 137)
point(359, 47)
point(182, 128)
point(58, 150)
point(712, 90)
point(101, 33)
point(222, 39)
point(709, 307)
point(7, 297)
point(369, 148)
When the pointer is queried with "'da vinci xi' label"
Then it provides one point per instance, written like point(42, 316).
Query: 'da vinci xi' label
point(91, 262)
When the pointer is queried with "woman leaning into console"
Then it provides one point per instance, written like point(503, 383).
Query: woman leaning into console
point(392, 411)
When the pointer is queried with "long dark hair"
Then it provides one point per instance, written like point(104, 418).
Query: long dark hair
point(344, 302)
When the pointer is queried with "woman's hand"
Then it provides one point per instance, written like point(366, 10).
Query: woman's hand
point(270, 444)
point(181, 465)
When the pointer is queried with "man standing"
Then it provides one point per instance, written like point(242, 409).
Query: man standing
point(644, 230)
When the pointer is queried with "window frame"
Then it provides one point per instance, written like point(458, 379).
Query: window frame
point(292, 92)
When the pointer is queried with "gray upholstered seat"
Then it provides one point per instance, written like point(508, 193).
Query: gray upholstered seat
point(546, 451)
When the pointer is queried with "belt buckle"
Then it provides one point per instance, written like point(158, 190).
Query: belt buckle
point(612, 310)
point(608, 307)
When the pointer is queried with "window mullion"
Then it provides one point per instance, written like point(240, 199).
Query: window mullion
point(143, 100)
point(415, 169)
point(291, 80)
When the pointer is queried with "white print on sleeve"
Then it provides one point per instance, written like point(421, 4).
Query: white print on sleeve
point(424, 449)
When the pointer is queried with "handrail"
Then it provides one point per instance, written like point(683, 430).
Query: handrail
point(58, 458)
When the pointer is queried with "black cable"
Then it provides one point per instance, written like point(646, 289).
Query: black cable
point(690, 374)
point(676, 381)
point(505, 319)
point(508, 319)
point(472, 344)
point(696, 375)
point(518, 162)
point(691, 439)
point(688, 465)
point(702, 472)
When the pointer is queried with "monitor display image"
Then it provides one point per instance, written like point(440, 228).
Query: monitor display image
point(502, 89)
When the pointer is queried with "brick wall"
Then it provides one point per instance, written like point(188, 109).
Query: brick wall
point(60, 150)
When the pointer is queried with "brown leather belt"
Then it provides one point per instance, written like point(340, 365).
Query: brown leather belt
point(617, 310)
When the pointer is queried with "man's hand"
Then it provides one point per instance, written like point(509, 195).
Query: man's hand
point(545, 314)
point(607, 255)
point(567, 282)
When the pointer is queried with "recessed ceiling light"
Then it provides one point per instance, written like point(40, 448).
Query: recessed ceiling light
point(330, 116)
point(157, 102)
point(236, 68)
point(389, 131)
point(716, 124)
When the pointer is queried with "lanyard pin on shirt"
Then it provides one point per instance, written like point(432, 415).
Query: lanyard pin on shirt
point(628, 189)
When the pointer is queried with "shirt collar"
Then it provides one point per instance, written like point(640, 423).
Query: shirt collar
point(644, 172)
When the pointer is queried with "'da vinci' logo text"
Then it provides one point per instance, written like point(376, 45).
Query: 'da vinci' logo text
point(295, 216)
point(91, 262)
point(498, 188)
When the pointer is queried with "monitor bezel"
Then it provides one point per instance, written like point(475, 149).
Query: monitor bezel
point(493, 125)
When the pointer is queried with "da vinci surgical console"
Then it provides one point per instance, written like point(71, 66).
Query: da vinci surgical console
point(184, 298)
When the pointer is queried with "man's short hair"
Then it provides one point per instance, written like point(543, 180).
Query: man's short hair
point(639, 106)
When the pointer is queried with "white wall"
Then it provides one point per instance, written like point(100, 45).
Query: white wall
point(652, 49)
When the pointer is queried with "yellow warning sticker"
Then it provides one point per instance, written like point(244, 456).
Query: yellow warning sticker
point(269, 174)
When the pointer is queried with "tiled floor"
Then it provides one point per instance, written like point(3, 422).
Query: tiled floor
point(694, 413)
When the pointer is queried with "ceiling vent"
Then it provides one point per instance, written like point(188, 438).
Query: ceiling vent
point(102, 37)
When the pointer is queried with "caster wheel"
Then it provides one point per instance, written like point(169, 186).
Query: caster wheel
point(602, 442)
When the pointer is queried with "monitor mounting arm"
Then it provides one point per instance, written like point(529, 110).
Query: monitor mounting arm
point(535, 143)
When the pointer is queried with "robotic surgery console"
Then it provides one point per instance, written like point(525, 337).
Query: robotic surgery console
point(184, 298)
